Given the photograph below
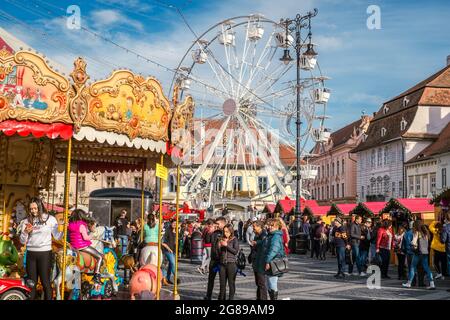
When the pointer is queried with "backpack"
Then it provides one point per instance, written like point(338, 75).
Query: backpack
point(241, 260)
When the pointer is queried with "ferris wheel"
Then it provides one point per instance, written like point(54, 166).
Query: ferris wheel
point(246, 93)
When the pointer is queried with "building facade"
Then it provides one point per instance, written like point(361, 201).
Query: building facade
point(336, 178)
point(400, 130)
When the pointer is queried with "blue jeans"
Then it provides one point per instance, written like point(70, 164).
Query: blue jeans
point(340, 253)
point(123, 244)
point(423, 259)
point(373, 252)
point(171, 268)
point(355, 258)
point(363, 259)
point(448, 263)
point(272, 283)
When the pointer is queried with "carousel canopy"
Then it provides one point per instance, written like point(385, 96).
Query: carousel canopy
point(119, 193)
point(415, 205)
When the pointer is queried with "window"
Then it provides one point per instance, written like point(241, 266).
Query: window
point(218, 187)
point(379, 158)
point(343, 170)
point(237, 183)
point(369, 191)
point(418, 186)
point(323, 173)
point(383, 132)
point(137, 182)
point(262, 184)
point(385, 109)
point(219, 151)
point(318, 193)
point(403, 124)
point(433, 183)
point(444, 177)
point(318, 172)
point(323, 194)
point(81, 183)
point(343, 190)
point(372, 159)
point(328, 169)
point(332, 169)
point(362, 192)
point(400, 188)
point(111, 182)
point(337, 167)
point(405, 101)
point(172, 183)
point(393, 189)
point(411, 185)
point(328, 192)
point(386, 155)
point(337, 190)
point(425, 185)
point(332, 192)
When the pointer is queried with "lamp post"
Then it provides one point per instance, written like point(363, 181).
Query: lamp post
point(296, 25)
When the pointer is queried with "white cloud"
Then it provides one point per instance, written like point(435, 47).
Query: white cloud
point(109, 18)
point(326, 43)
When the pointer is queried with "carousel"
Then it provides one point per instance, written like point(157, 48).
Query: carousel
point(121, 123)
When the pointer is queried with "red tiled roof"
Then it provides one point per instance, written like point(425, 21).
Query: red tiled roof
point(441, 145)
point(415, 205)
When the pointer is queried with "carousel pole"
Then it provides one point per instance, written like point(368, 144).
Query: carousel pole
point(76, 188)
point(142, 201)
point(54, 187)
point(66, 215)
point(158, 268)
point(177, 215)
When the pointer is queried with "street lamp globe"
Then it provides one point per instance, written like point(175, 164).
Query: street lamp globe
point(286, 58)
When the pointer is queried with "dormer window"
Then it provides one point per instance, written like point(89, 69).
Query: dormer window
point(385, 109)
point(403, 124)
point(383, 132)
point(364, 137)
point(405, 101)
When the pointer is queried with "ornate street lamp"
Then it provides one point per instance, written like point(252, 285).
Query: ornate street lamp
point(300, 22)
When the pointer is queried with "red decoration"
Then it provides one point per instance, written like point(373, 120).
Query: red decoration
point(37, 129)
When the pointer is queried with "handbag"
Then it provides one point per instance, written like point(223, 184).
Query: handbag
point(278, 266)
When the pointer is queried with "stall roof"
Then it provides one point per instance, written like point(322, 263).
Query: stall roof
point(373, 208)
point(269, 208)
point(318, 210)
point(287, 205)
point(342, 208)
point(414, 205)
point(119, 193)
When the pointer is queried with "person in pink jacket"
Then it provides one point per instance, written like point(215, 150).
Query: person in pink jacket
point(79, 239)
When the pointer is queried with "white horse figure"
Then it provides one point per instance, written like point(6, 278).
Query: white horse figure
point(73, 274)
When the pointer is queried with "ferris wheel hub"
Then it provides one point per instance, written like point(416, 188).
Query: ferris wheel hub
point(229, 107)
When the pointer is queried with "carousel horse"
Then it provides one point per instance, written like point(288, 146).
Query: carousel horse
point(8, 257)
point(143, 283)
point(80, 267)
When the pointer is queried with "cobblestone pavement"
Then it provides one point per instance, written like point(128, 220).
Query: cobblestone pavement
point(314, 280)
point(308, 278)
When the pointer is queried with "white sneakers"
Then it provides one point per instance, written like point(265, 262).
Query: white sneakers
point(407, 284)
point(200, 270)
point(363, 274)
point(438, 276)
point(355, 274)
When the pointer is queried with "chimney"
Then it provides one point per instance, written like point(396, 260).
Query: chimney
point(448, 60)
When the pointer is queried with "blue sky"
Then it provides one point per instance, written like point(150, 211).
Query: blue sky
point(367, 67)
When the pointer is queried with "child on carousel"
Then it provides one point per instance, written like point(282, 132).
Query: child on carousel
point(80, 240)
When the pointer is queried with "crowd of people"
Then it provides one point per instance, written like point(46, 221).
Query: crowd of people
point(356, 243)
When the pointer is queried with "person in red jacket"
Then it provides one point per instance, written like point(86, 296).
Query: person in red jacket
point(384, 245)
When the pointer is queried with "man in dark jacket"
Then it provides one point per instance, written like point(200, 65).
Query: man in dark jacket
point(258, 264)
point(215, 256)
point(240, 229)
point(355, 239)
point(364, 244)
point(341, 242)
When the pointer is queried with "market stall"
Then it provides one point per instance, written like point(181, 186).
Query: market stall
point(368, 209)
point(402, 210)
point(317, 211)
point(341, 210)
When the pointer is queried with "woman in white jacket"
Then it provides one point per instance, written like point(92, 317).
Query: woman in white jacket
point(36, 234)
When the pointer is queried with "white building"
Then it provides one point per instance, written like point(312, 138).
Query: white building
point(427, 173)
point(400, 130)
